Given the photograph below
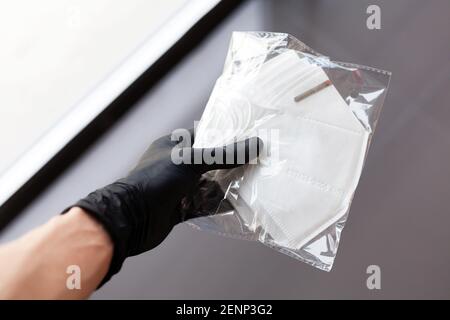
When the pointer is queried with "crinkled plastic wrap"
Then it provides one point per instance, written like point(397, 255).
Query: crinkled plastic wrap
point(316, 118)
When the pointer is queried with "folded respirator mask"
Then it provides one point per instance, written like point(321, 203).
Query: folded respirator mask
point(314, 146)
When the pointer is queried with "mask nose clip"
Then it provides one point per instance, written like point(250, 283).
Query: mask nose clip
point(312, 91)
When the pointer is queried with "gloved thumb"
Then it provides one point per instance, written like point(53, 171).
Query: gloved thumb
point(226, 157)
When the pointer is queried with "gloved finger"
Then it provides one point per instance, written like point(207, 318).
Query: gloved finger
point(227, 157)
point(206, 199)
point(190, 143)
point(183, 138)
point(179, 138)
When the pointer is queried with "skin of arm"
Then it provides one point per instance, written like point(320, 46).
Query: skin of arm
point(35, 266)
point(139, 211)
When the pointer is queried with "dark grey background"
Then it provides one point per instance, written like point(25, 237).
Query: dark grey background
point(400, 217)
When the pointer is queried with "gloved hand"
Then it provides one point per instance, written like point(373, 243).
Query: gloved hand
point(141, 209)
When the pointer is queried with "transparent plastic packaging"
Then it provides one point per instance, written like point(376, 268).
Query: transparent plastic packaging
point(316, 118)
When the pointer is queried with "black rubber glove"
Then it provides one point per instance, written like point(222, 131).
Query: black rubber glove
point(140, 210)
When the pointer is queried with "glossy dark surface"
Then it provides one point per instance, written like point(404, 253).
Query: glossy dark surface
point(400, 217)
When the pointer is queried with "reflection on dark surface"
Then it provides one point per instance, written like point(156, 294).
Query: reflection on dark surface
point(400, 215)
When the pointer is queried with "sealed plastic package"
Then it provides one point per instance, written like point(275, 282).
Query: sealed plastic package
point(316, 118)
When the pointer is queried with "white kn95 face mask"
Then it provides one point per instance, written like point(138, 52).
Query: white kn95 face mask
point(314, 147)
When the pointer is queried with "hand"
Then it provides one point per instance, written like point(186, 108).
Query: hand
point(141, 209)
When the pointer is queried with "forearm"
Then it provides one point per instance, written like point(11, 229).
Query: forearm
point(35, 266)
